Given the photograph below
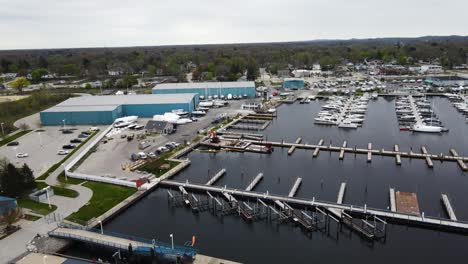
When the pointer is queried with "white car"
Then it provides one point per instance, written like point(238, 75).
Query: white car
point(175, 144)
point(151, 155)
point(163, 149)
point(63, 152)
point(22, 155)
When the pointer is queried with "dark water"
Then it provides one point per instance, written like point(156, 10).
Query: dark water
point(367, 183)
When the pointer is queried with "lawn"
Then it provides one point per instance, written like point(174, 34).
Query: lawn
point(31, 217)
point(58, 190)
point(61, 178)
point(36, 207)
point(105, 197)
point(13, 137)
point(154, 166)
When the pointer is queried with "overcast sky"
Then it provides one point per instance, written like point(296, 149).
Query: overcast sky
point(108, 23)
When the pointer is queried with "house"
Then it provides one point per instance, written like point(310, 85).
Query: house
point(425, 69)
point(161, 127)
point(94, 84)
point(7, 204)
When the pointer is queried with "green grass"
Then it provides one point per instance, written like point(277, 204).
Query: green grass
point(13, 137)
point(153, 166)
point(61, 178)
point(58, 190)
point(36, 207)
point(31, 217)
point(57, 165)
point(105, 196)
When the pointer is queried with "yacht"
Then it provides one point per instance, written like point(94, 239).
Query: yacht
point(426, 129)
point(375, 95)
point(325, 120)
point(346, 123)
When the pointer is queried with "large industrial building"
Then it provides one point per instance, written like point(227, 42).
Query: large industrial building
point(206, 89)
point(105, 109)
point(293, 83)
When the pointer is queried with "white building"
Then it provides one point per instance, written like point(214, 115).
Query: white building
point(431, 69)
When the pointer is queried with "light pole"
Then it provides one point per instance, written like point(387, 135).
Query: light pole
point(44, 259)
point(172, 240)
point(48, 197)
point(63, 123)
point(102, 230)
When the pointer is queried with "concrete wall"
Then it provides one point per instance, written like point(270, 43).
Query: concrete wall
point(293, 84)
point(150, 110)
point(249, 91)
point(79, 118)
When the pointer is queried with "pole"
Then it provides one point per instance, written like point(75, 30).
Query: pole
point(102, 230)
point(3, 131)
point(172, 240)
point(44, 259)
point(48, 197)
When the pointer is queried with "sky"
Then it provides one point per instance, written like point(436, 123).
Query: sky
point(33, 24)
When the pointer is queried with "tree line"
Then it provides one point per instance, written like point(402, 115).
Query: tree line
point(15, 182)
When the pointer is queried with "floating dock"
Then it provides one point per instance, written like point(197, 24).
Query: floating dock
point(342, 151)
point(295, 187)
point(369, 152)
point(400, 217)
point(428, 159)
point(341, 193)
point(407, 202)
point(255, 181)
point(317, 149)
point(392, 200)
point(448, 207)
point(292, 148)
point(216, 177)
point(396, 148)
point(459, 161)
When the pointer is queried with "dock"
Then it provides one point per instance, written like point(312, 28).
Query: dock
point(369, 152)
point(407, 202)
point(292, 148)
point(396, 148)
point(460, 162)
point(399, 217)
point(216, 177)
point(448, 207)
point(392, 200)
point(428, 159)
point(341, 193)
point(317, 149)
point(295, 187)
point(254, 182)
point(414, 109)
point(342, 151)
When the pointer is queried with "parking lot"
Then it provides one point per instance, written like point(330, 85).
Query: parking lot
point(42, 146)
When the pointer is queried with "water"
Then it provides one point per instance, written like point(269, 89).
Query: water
point(367, 183)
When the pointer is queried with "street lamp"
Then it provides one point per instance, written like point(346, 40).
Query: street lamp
point(102, 230)
point(63, 123)
point(172, 240)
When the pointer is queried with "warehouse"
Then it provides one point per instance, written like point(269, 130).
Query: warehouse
point(293, 83)
point(206, 89)
point(96, 110)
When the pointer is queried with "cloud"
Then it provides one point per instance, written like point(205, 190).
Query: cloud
point(91, 23)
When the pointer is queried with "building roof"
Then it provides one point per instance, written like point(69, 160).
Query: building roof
point(293, 79)
point(158, 125)
point(110, 102)
point(205, 85)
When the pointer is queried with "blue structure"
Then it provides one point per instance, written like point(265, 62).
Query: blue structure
point(7, 204)
point(293, 83)
point(102, 110)
point(207, 89)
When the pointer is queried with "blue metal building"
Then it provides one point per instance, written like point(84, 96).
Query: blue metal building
point(207, 89)
point(293, 83)
point(102, 110)
point(7, 204)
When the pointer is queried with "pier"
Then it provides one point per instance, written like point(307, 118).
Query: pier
point(255, 181)
point(396, 153)
point(459, 161)
point(369, 153)
point(399, 217)
point(414, 109)
point(428, 159)
point(317, 149)
point(216, 177)
point(292, 148)
point(295, 187)
point(448, 207)
point(341, 193)
point(342, 151)
point(392, 200)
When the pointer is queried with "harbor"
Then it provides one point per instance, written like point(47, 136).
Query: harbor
point(351, 182)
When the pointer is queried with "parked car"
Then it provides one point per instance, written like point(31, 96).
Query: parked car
point(13, 143)
point(83, 135)
point(76, 140)
point(123, 136)
point(63, 152)
point(69, 146)
point(22, 155)
point(163, 149)
point(151, 155)
point(142, 155)
point(169, 146)
point(175, 144)
point(67, 131)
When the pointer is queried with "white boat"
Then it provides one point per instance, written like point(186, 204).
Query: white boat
point(346, 123)
point(375, 96)
point(271, 110)
point(206, 104)
point(180, 112)
point(312, 97)
point(198, 112)
point(426, 129)
point(307, 101)
point(325, 120)
point(125, 121)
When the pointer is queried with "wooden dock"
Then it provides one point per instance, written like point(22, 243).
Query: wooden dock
point(254, 182)
point(399, 217)
point(407, 202)
point(448, 207)
point(216, 177)
point(295, 187)
point(460, 162)
point(317, 149)
point(428, 159)
point(341, 193)
point(292, 148)
point(396, 153)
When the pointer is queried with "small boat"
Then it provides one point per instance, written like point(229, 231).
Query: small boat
point(426, 129)
point(404, 128)
point(180, 112)
point(346, 123)
point(198, 112)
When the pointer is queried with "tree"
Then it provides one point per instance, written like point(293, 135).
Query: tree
point(70, 69)
point(19, 83)
point(37, 74)
point(23, 126)
point(16, 182)
point(27, 177)
point(11, 217)
point(252, 70)
point(88, 86)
